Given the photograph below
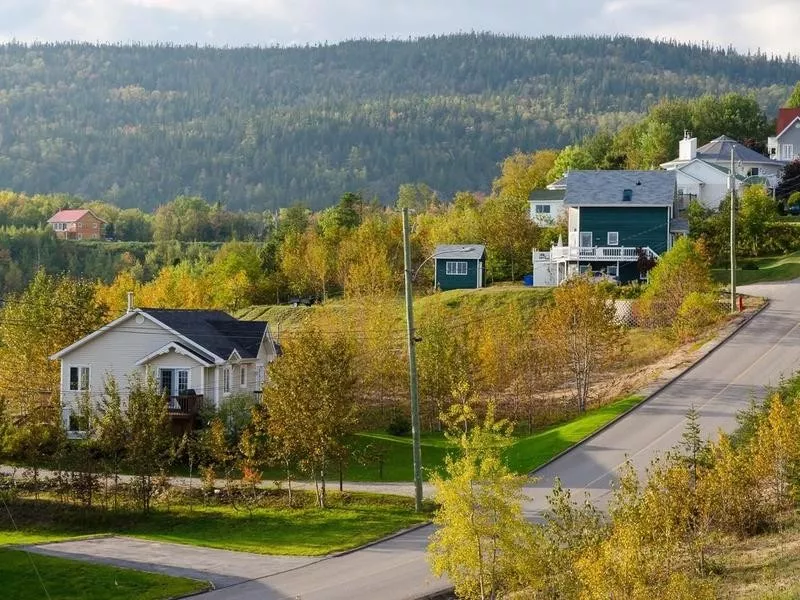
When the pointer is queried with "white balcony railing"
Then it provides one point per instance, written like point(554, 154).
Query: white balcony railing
point(597, 253)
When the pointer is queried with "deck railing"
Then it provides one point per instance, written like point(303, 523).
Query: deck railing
point(184, 406)
point(597, 253)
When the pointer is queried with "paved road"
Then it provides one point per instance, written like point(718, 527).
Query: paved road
point(762, 352)
point(221, 567)
point(758, 356)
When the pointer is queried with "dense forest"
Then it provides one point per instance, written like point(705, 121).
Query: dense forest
point(261, 128)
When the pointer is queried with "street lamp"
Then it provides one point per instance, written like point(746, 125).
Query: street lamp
point(412, 358)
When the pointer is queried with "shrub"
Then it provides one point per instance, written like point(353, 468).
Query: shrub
point(749, 265)
point(697, 311)
point(399, 426)
point(681, 272)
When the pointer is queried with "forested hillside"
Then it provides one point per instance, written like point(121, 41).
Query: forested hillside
point(259, 128)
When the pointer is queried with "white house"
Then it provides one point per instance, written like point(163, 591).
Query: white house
point(703, 173)
point(546, 206)
point(785, 145)
point(194, 355)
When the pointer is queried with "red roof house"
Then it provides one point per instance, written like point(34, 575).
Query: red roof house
point(77, 224)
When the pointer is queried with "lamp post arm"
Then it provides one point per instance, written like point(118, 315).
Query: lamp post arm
point(435, 255)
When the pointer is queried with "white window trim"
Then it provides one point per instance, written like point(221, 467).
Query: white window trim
point(540, 209)
point(581, 234)
point(615, 272)
point(88, 378)
point(787, 151)
point(615, 239)
point(175, 390)
point(242, 375)
point(454, 267)
point(226, 380)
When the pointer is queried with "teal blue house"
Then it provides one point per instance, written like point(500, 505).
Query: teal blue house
point(614, 218)
point(460, 267)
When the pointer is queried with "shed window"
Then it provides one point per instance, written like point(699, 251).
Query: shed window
point(543, 209)
point(613, 238)
point(456, 267)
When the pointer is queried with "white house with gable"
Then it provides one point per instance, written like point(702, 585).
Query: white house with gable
point(703, 173)
point(194, 355)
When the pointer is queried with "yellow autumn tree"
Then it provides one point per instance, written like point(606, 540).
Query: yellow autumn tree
point(482, 532)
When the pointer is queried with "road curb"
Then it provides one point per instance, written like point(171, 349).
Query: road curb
point(391, 536)
point(717, 343)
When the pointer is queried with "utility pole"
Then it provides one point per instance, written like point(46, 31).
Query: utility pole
point(732, 180)
point(412, 367)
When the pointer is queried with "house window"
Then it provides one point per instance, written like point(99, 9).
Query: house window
point(77, 423)
point(80, 225)
point(79, 379)
point(60, 226)
point(259, 376)
point(226, 381)
point(586, 239)
point(612, 271)
point(243, 376)
point(173, 382)
point(183, 380)
point(456, 267)
point(787, 151)
point(613, 238)
point(543, 209)
point(94, 224)
point(752, 172)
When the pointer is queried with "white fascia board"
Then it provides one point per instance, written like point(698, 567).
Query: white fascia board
point(785, 129)
point(177, 349)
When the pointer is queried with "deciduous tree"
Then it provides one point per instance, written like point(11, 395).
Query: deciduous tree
point(311, 405)
point(579, 333)
point(482, 531)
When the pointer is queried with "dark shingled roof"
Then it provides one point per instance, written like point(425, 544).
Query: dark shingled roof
point(605, 188)
point(546, 195)
point(214, 330)
point(719, 149)
point(462, 251)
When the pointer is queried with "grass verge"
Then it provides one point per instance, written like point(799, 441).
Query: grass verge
point(72, 580)
point(272, 528)
point(526, 454)
point(775, 268)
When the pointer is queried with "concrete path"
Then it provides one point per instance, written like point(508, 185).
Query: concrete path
point(398, 488)
point(221, 567)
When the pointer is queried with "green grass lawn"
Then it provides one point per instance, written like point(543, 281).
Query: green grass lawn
point(351, 520)
point(527, 453)
point(532, 451)
point(775, 268)
point(73, 580)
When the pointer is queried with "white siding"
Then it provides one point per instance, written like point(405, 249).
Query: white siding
point(113, 354)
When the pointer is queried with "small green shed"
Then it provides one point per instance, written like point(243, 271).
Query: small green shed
point(460, 267)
